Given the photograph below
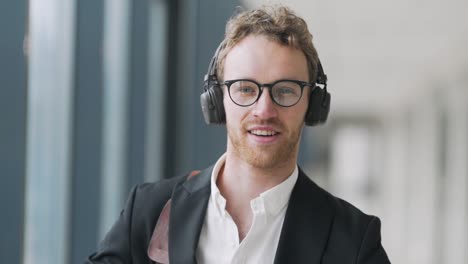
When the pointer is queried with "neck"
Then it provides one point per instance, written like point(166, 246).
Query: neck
point(240, 175)
point(239, 182)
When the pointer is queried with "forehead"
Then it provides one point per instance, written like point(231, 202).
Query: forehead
point(264, 60)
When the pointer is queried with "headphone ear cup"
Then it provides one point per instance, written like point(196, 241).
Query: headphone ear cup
point(319, 107)
point(212, 105)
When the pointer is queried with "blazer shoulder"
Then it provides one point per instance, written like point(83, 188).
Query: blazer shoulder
point(128, 239)
point(342, 210)
point(349, 214)
point(149, 198)
point(354, 234)
point(347, 221)
point(157, 188)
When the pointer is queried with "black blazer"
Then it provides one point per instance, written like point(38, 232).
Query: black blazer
point(318, 227)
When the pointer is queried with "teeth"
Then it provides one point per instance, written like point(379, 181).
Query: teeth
point(263, 132)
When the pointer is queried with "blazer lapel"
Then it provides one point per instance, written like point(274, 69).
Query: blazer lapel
point(306, 225)
point(189, 202)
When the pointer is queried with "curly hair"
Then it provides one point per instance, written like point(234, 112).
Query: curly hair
point(277, 23)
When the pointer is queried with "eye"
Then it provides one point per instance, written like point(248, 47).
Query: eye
point(286, 91)
point(244, 88)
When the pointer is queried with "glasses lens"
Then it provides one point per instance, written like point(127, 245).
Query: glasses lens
point(286, 93)
point(243, 92)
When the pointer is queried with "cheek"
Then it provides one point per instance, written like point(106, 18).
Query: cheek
point(231, 111)
point(298, 115)
point(227, 105)
point(303, 104)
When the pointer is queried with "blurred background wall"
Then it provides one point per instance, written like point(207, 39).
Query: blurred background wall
point(97, 96)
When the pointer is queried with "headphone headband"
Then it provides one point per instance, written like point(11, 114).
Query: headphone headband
point(211, 75)
point(321, 76)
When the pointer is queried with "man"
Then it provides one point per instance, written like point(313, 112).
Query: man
point(254, 205)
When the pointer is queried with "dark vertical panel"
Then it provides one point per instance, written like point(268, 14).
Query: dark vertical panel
point(86, 162)
point(13, 103)
point(198, 27)
point(138, 90)
point(442, 144)
point(181, 92)
point(209, 141)
point(170, 122)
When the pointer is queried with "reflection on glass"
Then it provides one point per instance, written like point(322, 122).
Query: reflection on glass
point(49, 131)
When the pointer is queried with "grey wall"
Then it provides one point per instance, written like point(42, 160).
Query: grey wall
point(12, 128)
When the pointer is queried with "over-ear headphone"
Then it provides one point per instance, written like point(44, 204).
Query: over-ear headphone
point(319, 100)
point(212, 97)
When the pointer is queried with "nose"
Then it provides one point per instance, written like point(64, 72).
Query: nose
point(265, 108)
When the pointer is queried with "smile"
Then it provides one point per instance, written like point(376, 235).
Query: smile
point(263, 133)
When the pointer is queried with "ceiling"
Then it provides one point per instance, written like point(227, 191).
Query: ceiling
point(382, 55)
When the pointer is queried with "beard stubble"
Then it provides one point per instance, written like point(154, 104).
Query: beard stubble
point(268, 156)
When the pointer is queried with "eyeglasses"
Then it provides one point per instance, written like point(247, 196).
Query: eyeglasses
point(286, 93)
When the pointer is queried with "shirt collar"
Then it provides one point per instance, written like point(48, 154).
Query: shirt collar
point(272, 200)
point(277, 197)
point(216, 197)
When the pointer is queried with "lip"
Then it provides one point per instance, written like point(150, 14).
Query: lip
point(263, 139)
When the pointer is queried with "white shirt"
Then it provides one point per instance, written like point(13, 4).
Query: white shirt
point(219, 239)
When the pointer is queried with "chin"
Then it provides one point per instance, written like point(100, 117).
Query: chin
point(266, 157)
point(263, 156)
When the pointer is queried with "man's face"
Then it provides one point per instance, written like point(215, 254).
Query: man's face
point(265, 135)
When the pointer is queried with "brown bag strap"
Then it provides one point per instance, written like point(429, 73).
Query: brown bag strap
point(158, 250)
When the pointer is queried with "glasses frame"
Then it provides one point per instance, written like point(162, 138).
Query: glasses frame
point(269, 86)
